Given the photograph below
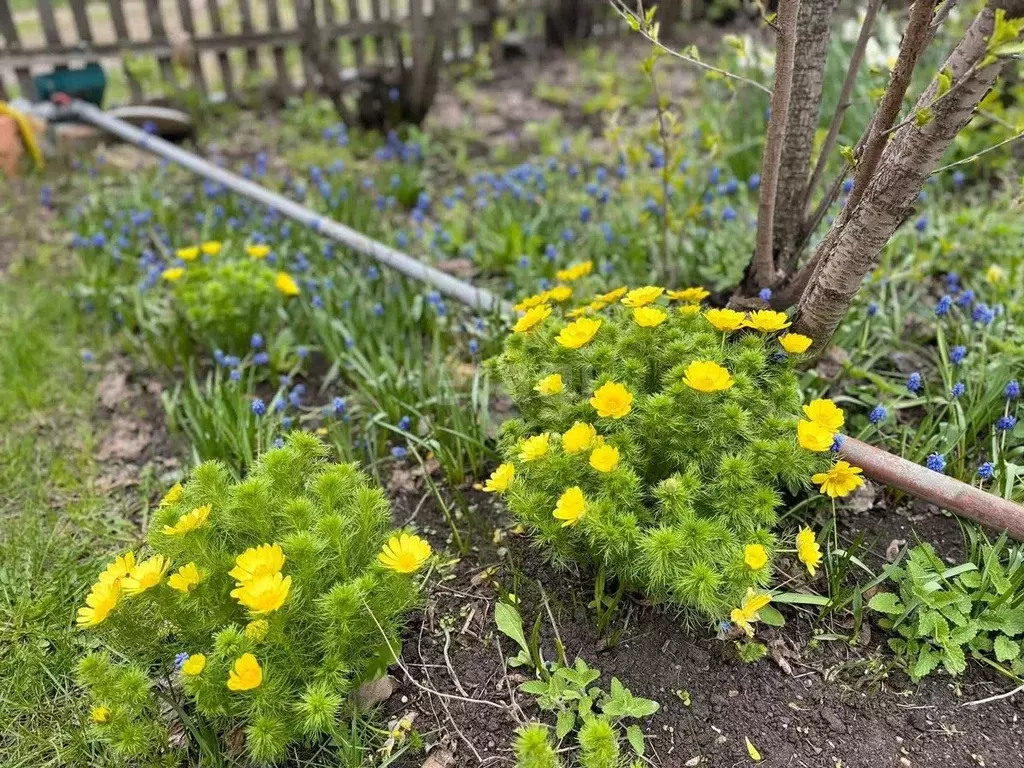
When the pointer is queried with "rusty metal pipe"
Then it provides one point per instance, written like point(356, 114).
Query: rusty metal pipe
point(947, 492)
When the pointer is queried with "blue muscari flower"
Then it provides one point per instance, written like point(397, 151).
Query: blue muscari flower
point(544, 283)
point(837, 443)
point(878, 414)
point(99, 240)
point(236, 375)
point(1005, 423)
point(567, 234)
point(286, 421)
point(708, 197)
point(936, 462)
point(952, 282)
point(754, 181)
point(279, 442)
point(922, 195)
point(399, 452)
point(958, 179)
point(765, 294)
point(372, 273)
point(87, 356)
point(180, 659)
point(378, 309)
point(584, 215)
point(728, 214)
point(46, 196)
point(295, 396)
point(317, 301)
point(921, 224)
point(957, 354)
point(1012, 390)
point(622, 171)
point(987, 470)
point(958, 389)
point(606, 230)
point(847, 186)
point(943, 306)
point(550, 252)
point(232, 361)
point(259, 407)
point(983, 314)
point(965, 298)
point(404, 423)
point(393, 94)
point(256, 342)
point(261, 358)
point(338, 406)
point(524, 262)
point(474, 346)
point(732, 186)
point(600, 174)
point(714, 175)
point(302, 352)
point(914, 383)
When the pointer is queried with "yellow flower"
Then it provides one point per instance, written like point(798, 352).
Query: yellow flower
point(839, 480)
point(173, 274)
point(188, 254)
point(185, 578)
point(533, 316)
point(257, 630)
point(707, 376)
point(612, 295)
point(579, 437)
point(604, 458)
point(101, 600)
point(286, 285)
point(649, 317)
point(755, 556)
point(748, 611)
point(995, 274)
point(173, 496)
point(690, 295)
point(258, 250)
point(99, 714)
point(189, 521)
point(825, 414)
point(560, 293)
point(245, 673)
point(726, 320)
point(533, 448)
point(641, 297)
point(578, 332)
point(768, 321)
point(257, 561)
point(814, 437)
point(807, 549)
point(404, 553)
point(265, 593)
point(795, 343)
point(689, 310)
point(210, 247)
point(531, 301)
point(578, 312)
point(118, 569)
point(550, 385)
point(193, 665)
point(597, 305)
point(575, 271)
point(571, 506)
point(146, 575)
point(501, 478)
point(612, 400)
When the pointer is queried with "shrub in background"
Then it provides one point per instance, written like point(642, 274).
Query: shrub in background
point(654, 441)
point(266, 600)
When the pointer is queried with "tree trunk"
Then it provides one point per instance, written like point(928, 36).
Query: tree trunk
point(813, 28)
point(851, 249)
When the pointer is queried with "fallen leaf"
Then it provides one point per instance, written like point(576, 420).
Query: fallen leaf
point(752, 751)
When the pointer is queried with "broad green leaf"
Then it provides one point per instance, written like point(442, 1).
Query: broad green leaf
point(954, 660)
point(511, 624)
point(886, 602)
point(927, 660)
point(564, 723)
point(635, 736)
point(772, 617)
point(1006, 649)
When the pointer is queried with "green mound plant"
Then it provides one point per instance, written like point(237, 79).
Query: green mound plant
point(259, 606)
point(654, 441)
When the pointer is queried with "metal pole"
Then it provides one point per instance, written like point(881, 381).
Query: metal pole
point(478, 298)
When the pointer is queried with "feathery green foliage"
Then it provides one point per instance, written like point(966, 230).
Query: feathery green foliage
point(271, 640)
point(699, 474)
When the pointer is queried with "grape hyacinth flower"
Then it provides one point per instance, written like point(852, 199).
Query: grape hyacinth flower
point(258, 407)
point(338, 406)
point(1012, 390)
point(943, 306)
point(404, 423)
point(957, 354)
point(1005, 423)
point(965, 299)
point(936, 462)
point(399, 452)
point(914, 384)
point(872, 309)
point(987, 470)
point(878, 414)
point(256, 342)
point(958, 389)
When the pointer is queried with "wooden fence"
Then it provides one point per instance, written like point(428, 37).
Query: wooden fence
point(152, 48)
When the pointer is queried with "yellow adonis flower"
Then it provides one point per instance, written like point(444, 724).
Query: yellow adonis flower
point(578, 333)
point(286, 284)
point(795, 343)
point(533, 448)
point(404, 553)
point(532, 301)
point(726, 320)
point(257, 561)
point(649, 317)
point(613, 295)
point(579, 437)
point(210, 247)
point(578, 312)
point(256, 630)
point(193, 665)
point(185, 578)
point(501, 478)
point(604, 458)
point(146, 575)
point(245, 673)
point(755, 556)
point(707, 376)
point(575, 271)
point(100, 715)
point(995, 274)
point(173, 274)
point(747, 613)
point(118, 569)
point(768, 321)
point(689, 310)
point(263, 594)
point(188, 254)
point(807, 549)
point(533, 316)
point(101, 600)
point(814, 437)
point(550, 385)
point(173, 496)
point(839, 480)
point(257, 250)
point(189, 521)
point(571, 506)
point(560, 293)
point(825, 414)
point(693, 295)
point(641, 297)
point(612, 400)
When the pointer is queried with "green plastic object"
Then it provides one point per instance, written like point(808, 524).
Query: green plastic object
point(86, 83)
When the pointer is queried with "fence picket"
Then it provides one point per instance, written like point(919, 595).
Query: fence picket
point(223, 61)
point(188, 24)
point(123, 36)
point(284, 82)
point(12, 44)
